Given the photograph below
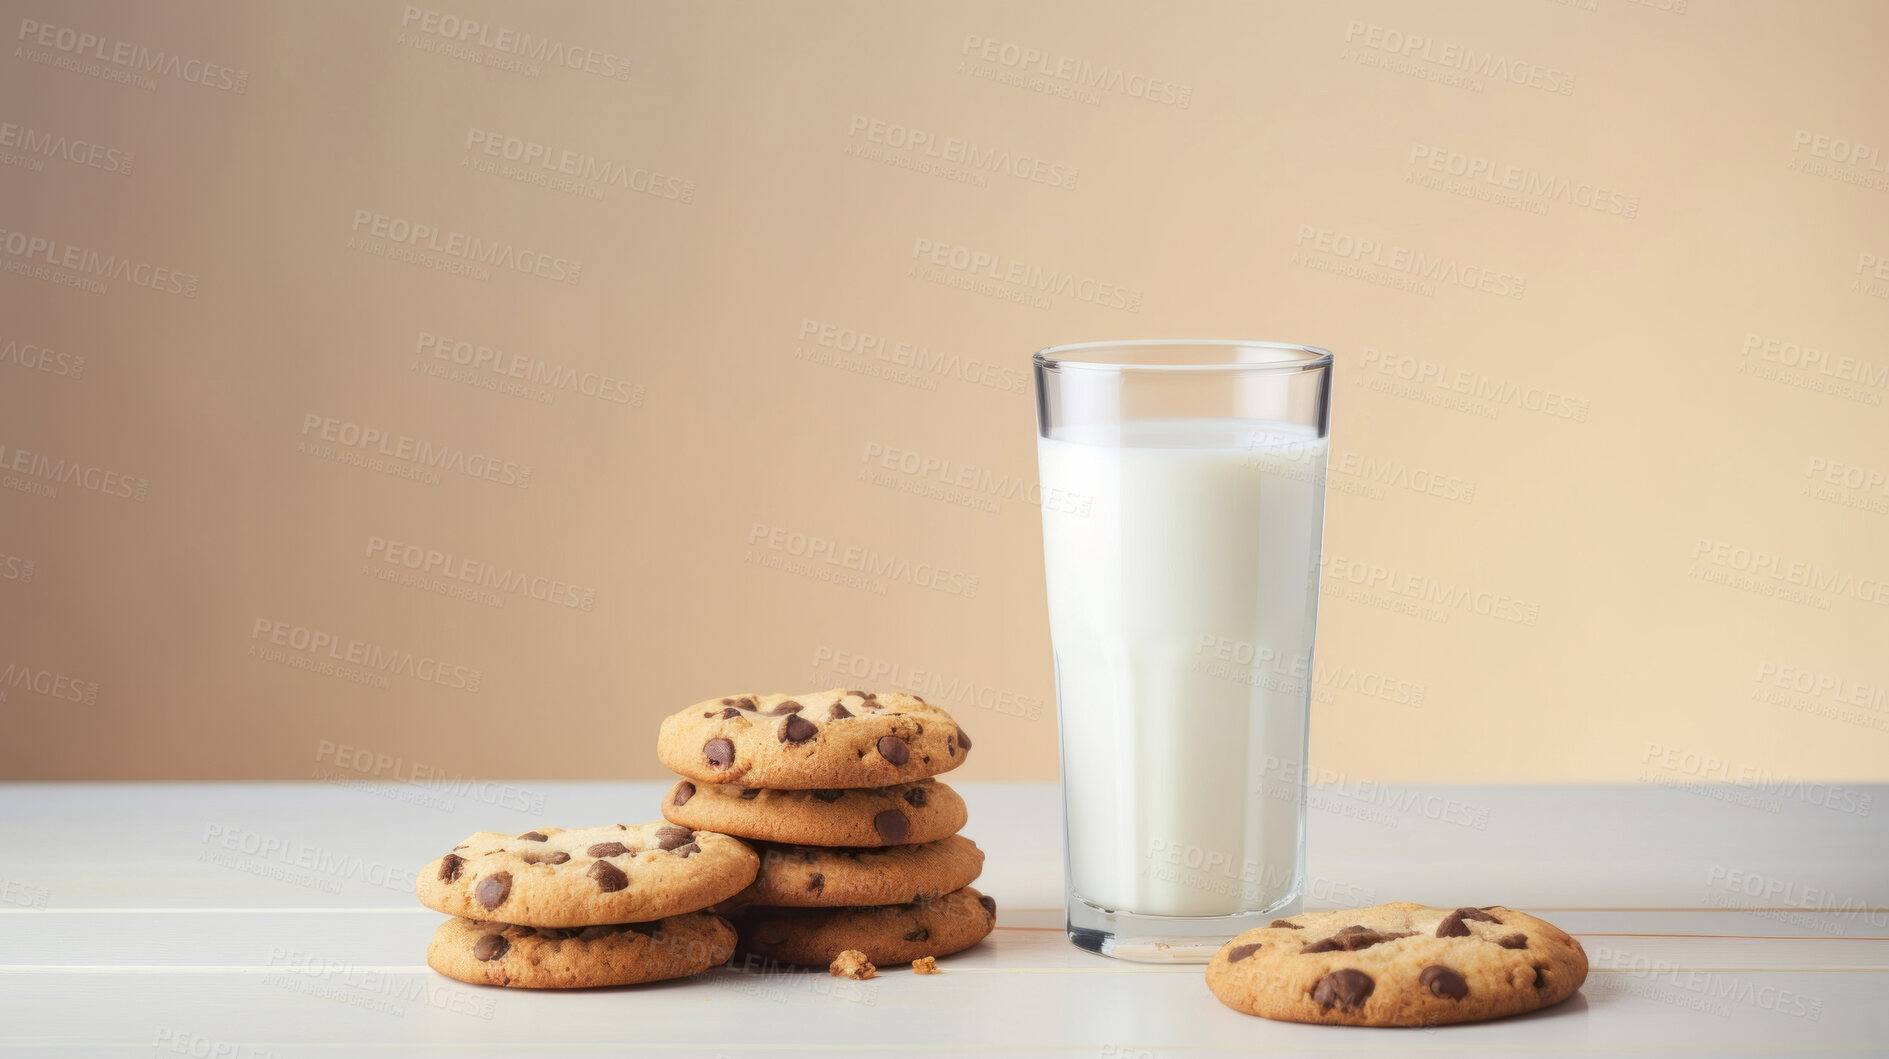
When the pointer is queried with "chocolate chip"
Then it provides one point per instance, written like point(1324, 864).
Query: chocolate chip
point(728, 714)
point(610, 878)
point(1541, 978)
point(450, 866)
point(608, 849)
point(863, 694)
point(989, 903)
point(916, 797)
point(490, 947)
point(750, 794)
point(719, 752)
point(1351, 939)
point(710, 713)
point(788, 706)
point(921, 934)
point(670, 837)
point(838, 711)
point(557, 857)
point(815, 883)
point(894, 750)
point(534, 836)
point(1241, 952)
point(1513, 941)
point(516, 931)
point(684, 791)
point(494, 889)
point(1346, 988)
point(892, 825)
point(595, 933)
point(798, 730)
point(1443, 982)
point(828, 796)
point(727, 702)
point(685, 852)
point(1286, 924)
point(1454, 925)
point(964, 739)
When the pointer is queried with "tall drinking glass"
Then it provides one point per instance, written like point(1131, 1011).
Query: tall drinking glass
point(1183, 503)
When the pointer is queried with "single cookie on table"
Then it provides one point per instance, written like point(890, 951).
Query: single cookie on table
point(817, 877)
point(552, 877)
point(924, 811)
point(1398, 965)
point(580, 957)
point(820, 739)
point(888, 934)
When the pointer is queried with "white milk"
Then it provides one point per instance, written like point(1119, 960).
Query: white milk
point(1182, 608)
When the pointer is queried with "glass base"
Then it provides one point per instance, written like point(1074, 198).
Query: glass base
point(1162, 939)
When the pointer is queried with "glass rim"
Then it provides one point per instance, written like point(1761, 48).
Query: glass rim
point(1282, 357)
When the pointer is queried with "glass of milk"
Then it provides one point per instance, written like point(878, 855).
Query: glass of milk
point(1184, 499)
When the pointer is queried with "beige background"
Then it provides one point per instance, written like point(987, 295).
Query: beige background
point(1607, 419)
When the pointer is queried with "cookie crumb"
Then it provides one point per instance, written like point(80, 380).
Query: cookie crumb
point(852, 964)
point(925, 965)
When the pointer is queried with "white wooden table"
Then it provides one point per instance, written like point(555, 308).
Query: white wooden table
point(278, 920)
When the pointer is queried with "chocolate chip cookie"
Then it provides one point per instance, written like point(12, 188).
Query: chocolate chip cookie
point(813, 877)
point(1398, 965)
point(924, 811)
point(888, 934)
point(580, 957)
point(836, 739)
point(551, 877)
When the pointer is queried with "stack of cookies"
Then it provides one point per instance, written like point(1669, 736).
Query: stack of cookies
point(859, 849)
point(595, 906)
